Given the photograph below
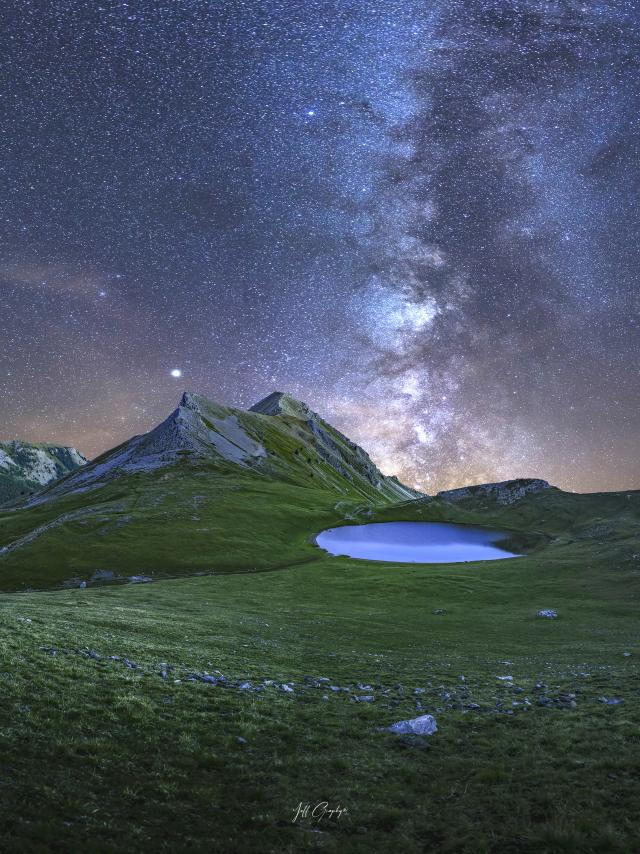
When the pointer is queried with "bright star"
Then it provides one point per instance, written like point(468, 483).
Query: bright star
point(176, 372)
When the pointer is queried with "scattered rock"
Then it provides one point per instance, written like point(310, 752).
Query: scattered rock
point(82, 584)
point(245, 686)
point(439, 612)
point(140, 579)
point(423, 725)
point(549, 613)
point(610, 701)
point(103, 575)
point(365, 698)
point(241, 740)
point(626, 654)
point(287, 689)
point(504, 678)
point(50, 650)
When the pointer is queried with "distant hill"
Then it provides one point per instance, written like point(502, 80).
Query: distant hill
point(27, 467)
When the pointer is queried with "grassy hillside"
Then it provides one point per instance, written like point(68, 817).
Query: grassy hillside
point(112, 739)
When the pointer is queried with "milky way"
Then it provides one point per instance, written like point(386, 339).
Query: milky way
point(420, 218)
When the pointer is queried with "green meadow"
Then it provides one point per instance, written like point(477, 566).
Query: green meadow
point(116, 735)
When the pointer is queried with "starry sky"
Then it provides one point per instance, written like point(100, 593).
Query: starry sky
point(419, 217)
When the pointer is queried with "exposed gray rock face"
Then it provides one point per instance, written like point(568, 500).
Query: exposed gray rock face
point(424, 725)
point(505, 492)
point(26, 467)
point(197, 427)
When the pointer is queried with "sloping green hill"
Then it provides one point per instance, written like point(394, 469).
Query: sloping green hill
point(154, 717)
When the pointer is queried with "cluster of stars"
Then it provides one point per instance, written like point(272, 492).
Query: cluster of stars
point(420, 218)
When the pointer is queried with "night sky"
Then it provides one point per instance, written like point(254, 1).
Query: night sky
point(420, 218)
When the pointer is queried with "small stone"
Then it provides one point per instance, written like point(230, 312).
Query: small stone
point(504, 678)
point(423, 725)
point(287, 689)
point(82, 584)
point(610, 701)
point(245, 686)
point(325, 696)
point(50, 650)
point(626, 654)
point(549, 613)
point(241, 740)
point(439, 612)
point(418, 690)
point(365, 698)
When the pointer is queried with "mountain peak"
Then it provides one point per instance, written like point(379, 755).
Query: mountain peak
point(280, 403)
point(295, 448)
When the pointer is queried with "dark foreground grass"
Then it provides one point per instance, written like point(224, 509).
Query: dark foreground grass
point(96, 756)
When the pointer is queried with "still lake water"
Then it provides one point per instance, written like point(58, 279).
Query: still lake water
point(414, 542)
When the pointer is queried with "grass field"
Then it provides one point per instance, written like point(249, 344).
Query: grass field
point(138, 753)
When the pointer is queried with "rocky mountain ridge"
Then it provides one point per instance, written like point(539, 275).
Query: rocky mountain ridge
point(279, 437)
point(504, 492)
point(26, 467)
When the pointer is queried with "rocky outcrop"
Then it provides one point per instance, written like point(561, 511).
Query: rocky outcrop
point(26, 467)
point(505, 492)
